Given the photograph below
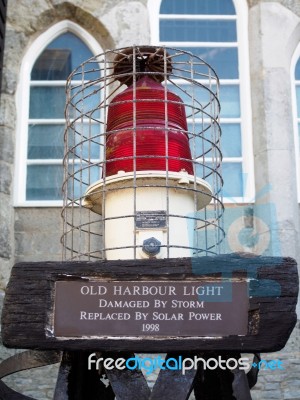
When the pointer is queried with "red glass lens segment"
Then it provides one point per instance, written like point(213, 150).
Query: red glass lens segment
point(147, 123)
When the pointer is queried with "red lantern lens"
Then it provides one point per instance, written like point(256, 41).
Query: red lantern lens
point(156, 138)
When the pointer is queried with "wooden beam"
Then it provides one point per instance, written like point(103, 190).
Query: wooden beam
point(27, 319)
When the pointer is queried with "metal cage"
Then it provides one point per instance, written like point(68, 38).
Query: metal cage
point(123, 172)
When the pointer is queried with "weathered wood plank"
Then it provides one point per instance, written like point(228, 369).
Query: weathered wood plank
point(27, 319)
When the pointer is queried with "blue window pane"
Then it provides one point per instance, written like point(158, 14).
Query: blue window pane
point(298, 100)
point(297, 70)
point(52, 64)
point(223, 60)
point(197, 7)
point(45, 141)
point(204, 99)
point(85, 101)
point(60, 58)
point(230, 101)
point(199, 67)
point(211, 173)
point(81, 178)
point(84, 142)
point(47, 102)
point(231, 140)
point(233, 179)
point(201, 31)
point(206, 141)
point(44, 182)
point(198, 97)
point(89, 71)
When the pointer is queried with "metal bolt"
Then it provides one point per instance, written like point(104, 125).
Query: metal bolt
point(151, 246)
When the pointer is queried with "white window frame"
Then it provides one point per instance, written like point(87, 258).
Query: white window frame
point(296, 119)
point(22, 106)
point(242, 44)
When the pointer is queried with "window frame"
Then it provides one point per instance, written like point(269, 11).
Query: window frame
point(242, 44)
point(296, 119)
point(22, 107)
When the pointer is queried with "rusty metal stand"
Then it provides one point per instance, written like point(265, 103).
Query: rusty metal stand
point(75, 383)
point(23, 361)
point(225, 384)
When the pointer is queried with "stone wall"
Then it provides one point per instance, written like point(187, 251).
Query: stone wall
point(32, 234)
point(281, 384)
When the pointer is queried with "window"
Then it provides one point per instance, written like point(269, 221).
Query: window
point(295, 74)
point(216, 30)
point(41, 98)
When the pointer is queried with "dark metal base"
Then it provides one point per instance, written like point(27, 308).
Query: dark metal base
point(76, 382)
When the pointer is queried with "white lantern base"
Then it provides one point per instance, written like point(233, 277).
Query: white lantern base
point(147, 205)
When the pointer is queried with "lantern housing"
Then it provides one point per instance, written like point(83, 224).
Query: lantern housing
point(142, 160)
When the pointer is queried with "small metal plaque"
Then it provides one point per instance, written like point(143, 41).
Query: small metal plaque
point(150, 219)
point(150, 308)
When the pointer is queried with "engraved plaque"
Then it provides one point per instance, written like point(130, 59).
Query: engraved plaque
point(150, 219)
point(151, 308)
